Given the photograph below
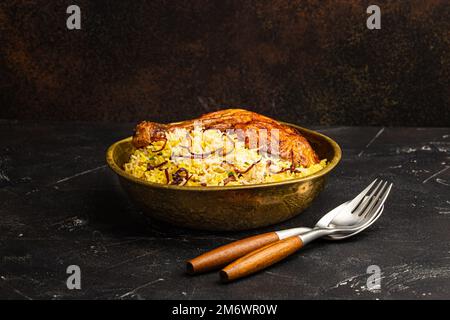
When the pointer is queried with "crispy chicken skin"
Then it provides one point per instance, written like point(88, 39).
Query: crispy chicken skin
point(291, 144)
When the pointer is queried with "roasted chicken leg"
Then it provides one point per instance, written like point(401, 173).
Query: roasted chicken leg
point(291, 144)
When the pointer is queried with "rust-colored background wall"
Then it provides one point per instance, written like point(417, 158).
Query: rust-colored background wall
point(306, 61)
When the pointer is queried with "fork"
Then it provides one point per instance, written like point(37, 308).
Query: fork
point(225, 254)
point(364, 212)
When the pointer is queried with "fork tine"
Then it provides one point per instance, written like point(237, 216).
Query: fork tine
point(368, 205)
point(382, 199)
point(372, 215)
point(377, 199)
point(357, 200)
point(367, 200)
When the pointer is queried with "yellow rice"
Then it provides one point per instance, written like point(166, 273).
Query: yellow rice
point(209, 168)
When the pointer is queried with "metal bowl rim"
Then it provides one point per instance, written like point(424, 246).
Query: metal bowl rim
point(330, 165)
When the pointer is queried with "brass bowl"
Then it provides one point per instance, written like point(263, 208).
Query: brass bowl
point(227, 207)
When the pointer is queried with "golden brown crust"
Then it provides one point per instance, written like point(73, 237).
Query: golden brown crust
point(292, 145)
point(147, 132)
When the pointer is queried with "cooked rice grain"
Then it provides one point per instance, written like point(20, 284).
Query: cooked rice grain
point(210, 159)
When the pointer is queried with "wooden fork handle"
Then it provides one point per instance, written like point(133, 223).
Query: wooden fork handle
point(223, 255)
point(261, 258)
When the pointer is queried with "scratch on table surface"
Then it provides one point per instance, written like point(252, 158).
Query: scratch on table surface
point(135, 290)
point(348, 281)
point(405, 150)
point(14, 289)
point(441, 146)
point(443, 182)
point(333, 129)
point(4, 177)
point(278, 275)
point(404, 276)
point(371, 141)
point(396, 278)
point(32, 191)
point(119, 243)
point(70, 223)
point(80, 174)
point(99, 242)
point(131, 259)
point(436, 174)
point(443, 210)
point(193, 292)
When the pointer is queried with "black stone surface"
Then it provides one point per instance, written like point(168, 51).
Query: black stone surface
point(60, 205)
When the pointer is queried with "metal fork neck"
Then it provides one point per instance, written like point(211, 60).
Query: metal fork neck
point(314, 234)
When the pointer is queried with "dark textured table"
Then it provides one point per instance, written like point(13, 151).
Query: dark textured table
point(60, 205)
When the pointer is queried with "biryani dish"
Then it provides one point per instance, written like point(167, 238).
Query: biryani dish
point(228, 147)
